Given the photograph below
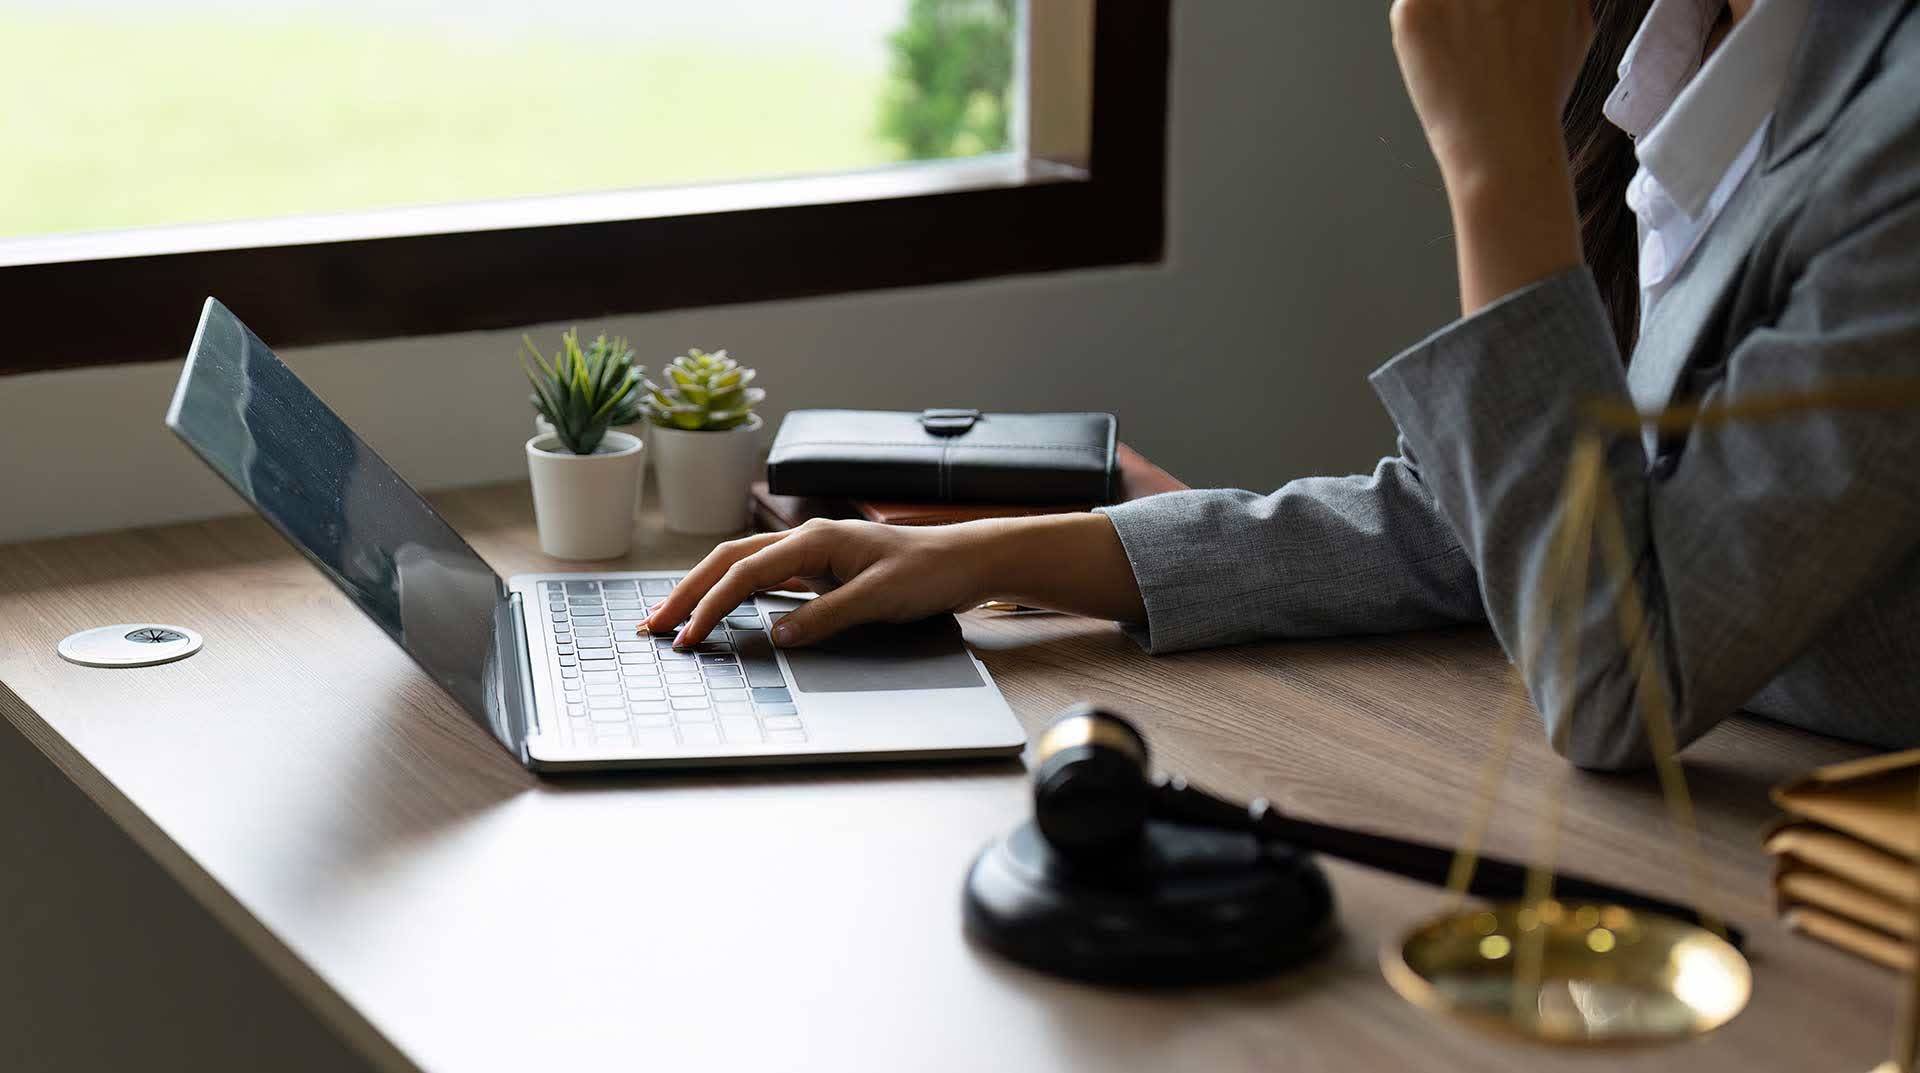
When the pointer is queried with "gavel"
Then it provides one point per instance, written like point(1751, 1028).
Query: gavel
point(1093, 794)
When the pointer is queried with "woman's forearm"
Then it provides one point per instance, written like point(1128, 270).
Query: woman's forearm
point(1064, 562)
point(1489, 80)
point(1515, 221)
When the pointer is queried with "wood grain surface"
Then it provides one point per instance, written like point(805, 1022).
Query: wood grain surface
point(447, 911)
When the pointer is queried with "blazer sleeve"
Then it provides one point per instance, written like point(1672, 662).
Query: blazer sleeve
point(1747, 540)
point(1322, 556)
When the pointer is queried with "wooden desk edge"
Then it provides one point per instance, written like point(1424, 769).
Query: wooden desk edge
point(308, 987)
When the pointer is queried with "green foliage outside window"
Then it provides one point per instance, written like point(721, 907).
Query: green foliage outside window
point(952, 79)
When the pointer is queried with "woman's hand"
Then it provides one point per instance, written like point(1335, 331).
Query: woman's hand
point(885, 573)
point(866, 572)
point(1490, 79)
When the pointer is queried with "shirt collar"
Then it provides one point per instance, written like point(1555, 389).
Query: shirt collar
point(1659, 61)
point(1691, 122)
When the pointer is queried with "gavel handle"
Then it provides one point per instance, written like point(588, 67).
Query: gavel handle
point(1494, 878)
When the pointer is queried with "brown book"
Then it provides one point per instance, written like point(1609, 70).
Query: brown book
point(1854, 938)
point(1139, 478)
point(1876, 800)
point(777, 513)
point(1837, 896)
point(1805, 847)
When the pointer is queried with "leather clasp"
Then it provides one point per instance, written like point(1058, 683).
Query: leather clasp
point(948, 422)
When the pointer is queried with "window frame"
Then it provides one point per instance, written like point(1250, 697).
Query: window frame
point(107, 299)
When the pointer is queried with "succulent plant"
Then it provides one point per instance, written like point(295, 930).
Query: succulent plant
point(703, 392)
point(583, 391)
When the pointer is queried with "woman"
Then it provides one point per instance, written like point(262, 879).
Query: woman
point(1773, 183)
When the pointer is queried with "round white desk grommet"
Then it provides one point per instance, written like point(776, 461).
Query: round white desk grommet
point(130, 644)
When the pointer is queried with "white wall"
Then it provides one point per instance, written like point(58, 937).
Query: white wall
point(1305, 247)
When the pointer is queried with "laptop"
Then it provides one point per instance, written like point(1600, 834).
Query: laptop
point(555, 666)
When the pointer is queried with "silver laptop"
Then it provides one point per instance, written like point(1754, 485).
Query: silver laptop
point(554, 666)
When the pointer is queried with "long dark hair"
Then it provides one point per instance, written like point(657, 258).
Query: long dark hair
point(1603, 165)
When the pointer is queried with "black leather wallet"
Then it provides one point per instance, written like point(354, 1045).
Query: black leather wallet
point(945, 456)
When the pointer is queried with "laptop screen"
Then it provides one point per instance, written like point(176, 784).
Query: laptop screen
point(255, 423)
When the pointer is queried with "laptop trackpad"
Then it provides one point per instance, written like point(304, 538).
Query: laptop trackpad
point(928, 654)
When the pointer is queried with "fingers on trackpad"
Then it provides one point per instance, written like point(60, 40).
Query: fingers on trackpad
point(928, 654)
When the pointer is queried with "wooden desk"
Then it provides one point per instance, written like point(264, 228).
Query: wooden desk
point(444, 910)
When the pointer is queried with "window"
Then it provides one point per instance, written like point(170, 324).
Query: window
point(339, 169)
point(198, 111)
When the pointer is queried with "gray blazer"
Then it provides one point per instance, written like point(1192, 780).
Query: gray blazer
point(1779, 561)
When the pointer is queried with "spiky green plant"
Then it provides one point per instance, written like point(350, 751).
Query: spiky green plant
point(583, 391)
point(703, 392)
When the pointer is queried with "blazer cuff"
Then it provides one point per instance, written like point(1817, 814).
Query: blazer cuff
point(1149, 529)
point(1502, 383)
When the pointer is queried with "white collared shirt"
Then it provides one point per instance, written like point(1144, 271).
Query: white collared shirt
point(1697, 130)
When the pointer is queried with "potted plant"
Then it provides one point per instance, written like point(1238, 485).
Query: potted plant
point(586, 477)
point(634, 421)
point(705, 441)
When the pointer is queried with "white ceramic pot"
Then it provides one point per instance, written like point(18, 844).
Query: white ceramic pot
point(584, 504)
point(704, 476)
point(544, 427)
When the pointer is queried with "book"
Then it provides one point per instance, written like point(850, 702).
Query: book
point(1855, 939)
point(1139, 478)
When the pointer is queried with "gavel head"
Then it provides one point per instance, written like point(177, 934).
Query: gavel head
point(1117, 880)
point(1091, 792)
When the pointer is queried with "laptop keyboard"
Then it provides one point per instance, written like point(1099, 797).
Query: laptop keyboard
point(620, 689)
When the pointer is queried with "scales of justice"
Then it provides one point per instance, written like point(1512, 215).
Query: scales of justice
point(1576, 974)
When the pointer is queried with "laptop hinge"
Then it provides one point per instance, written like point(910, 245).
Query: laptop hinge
point(516, 612)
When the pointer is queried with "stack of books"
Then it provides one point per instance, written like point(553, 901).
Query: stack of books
point(773, 513)
point(1845, 859)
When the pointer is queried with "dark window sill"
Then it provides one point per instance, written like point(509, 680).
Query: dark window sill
point(998, 172)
